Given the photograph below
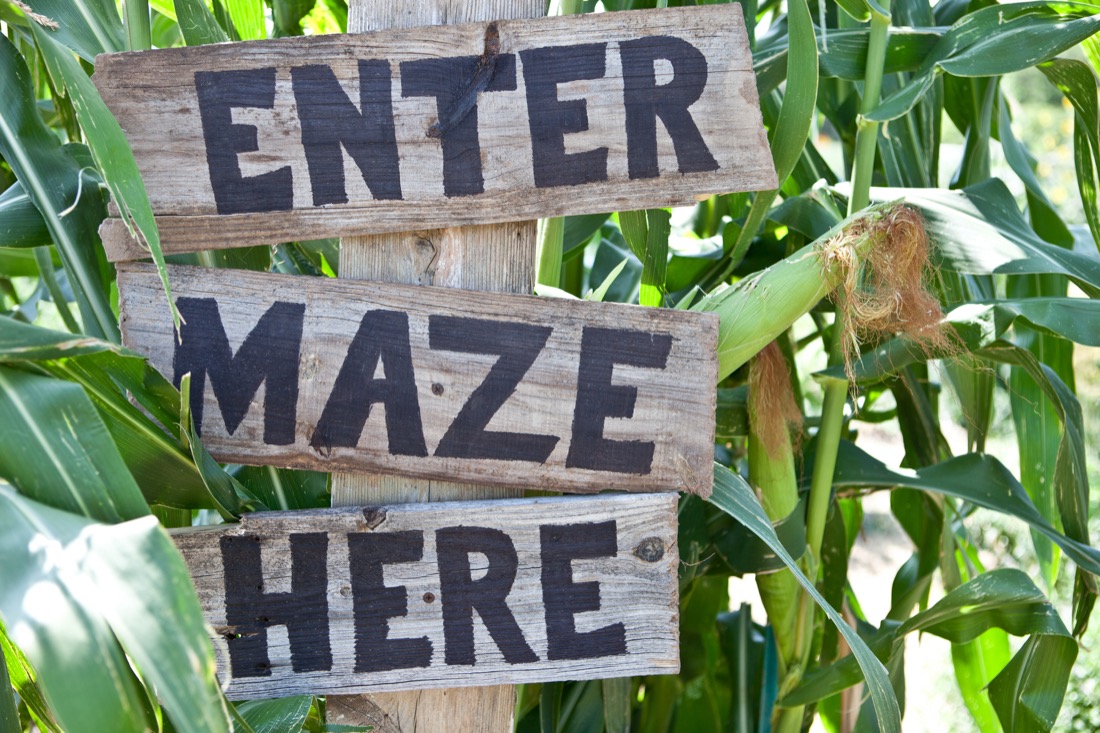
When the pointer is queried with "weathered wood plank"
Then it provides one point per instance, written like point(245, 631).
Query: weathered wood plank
point(507, 390)
point(425, 128)
point(412, 596)
point(499, 258)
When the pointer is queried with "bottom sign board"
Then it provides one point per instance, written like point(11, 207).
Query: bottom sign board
point(415, 596)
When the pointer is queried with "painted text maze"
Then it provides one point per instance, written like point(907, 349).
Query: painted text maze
point(515, 391)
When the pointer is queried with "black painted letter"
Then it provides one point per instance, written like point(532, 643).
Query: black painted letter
point(268, 355)
point(304, 610)
point(219, 92)
point(599, 399)
point(551, 119)
point(461, 594)
point(561, 544)
point(382, 336)
point(518, 345)
point(646, 101)
point(455, 83)
point(331, 123)
point(375, 602)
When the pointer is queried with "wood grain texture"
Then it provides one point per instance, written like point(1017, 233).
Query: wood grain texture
point(578, 146)
point(498, 258)
point(561, 588)
point(339, 375)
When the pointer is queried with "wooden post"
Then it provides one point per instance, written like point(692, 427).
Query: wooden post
point(501, 258)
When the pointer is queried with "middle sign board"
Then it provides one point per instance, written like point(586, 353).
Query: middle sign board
point(436, 383)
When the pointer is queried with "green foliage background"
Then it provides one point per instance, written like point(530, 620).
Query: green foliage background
point(943, 106)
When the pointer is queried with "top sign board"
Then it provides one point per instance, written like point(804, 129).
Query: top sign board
point(252, 143)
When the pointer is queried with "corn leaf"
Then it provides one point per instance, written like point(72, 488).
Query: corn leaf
point(163, 464)
point(1038, 424)
point(248, 18)
point(55, 448)
point(164, 7)
point(735, 497)
point(979, 479)
point(40, 162)
point(1000, 599)
point(230, 496)
point(994, 40)
point(1077, 81)
point(73, 587)
point(1027, 694)
point(197, 23)
point(89, 27)
point(789, 134)
point(109, 147)
point(9, 715)
point(21, 224)
point(25, 685)
point(616, 704)
point(987, 213)
point(280, 715)
point(845, 56)
point(282, 488)
point(1044, 218)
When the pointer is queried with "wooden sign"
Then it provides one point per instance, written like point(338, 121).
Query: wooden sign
point(506, 390)
point(415, 596)
point(442, 126)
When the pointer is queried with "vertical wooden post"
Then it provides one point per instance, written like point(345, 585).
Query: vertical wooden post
point(500, 258)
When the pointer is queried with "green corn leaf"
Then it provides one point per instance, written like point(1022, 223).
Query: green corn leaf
point(616, 704)
point(550, 706)
point(979, 479)
point(987, 213)
point(25, 684)
point(735, 497)
point(197, 23)
point(647, 233)
point(280, 715)
point(976, 661)
point(21, 224)
point(281, 488)
point(89, 27)
point(996, 40)
point(1037, 422)
point(39, 161)
point(18, 263)
point(163, 465)
point(1002, 599)
point(164, 7)
point(1077, 81)
point(72, 587)
point(600, 292)
point(792, 128)
point(230, 496)
point(1044, 217)
point(9, 714)
point(579, 229)
point(248, 18)
point(109, 148)
point(846, 55)
point(859, 9)
point(1027, 694)
point(55, 448)
point(289, 14)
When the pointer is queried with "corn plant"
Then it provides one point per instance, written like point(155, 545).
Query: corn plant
point(874, 277)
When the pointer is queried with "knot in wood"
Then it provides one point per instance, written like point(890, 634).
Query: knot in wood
point(373, 516)
point(651, 549)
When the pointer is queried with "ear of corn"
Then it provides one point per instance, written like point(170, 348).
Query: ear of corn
point(759, 308)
